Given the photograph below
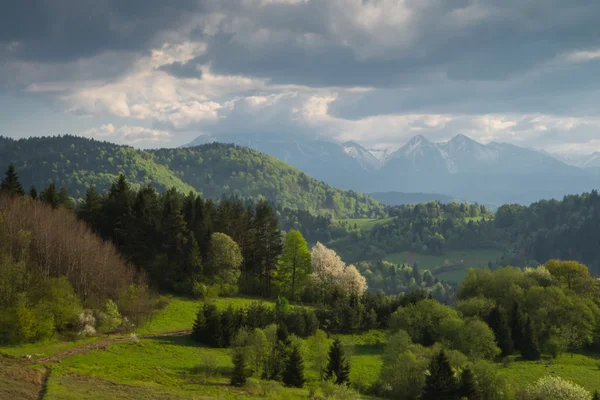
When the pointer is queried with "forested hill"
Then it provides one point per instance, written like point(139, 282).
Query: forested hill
point(214, 170)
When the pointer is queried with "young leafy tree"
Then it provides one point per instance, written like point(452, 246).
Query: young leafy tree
point(529, 347)
point(295, 262)
point(239, 375)
point(440, 383)
point(338, 367)
point(224, 259)
point(64, 200)
point(467, 388)
point(318, 345)
point(293, 375)
point(11, 184)
point(497, 321)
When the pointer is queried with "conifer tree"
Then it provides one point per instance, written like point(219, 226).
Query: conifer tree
point(440, 383)
point(50, 196)
point(338, 367)
point(63, 198)
point(293, 375)
point(11, 184)
point(228, 328)
point(497, 322)
point(33, 193)
point(529, 347)
point(516, 326)
point(213, 326)
point(199, 328)
point(239, 375)
point(467, 387)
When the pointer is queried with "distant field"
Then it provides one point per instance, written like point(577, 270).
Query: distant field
point(364, 224)
point(180, 313)
point(462, 260)
point(581, 369)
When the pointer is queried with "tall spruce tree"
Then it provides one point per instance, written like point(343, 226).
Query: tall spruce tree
point(268, 241)
point(516, 326)
point(467, 388)
point(338, 367)
point(293, 375)
point(239, 375)
point(199, 328)
point(440, 384)
point(11, 184)
point(50, 196)
point(33, 193)
point(529, 347)
point(498, 323)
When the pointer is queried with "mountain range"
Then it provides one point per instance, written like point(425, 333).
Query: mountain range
point(214, 170)
point(494, 173)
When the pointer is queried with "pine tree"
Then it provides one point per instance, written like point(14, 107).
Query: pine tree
point(529, 347)
point(213, 326)
point(64, 200)
point(228, 326)
point(33, 193)
point(497, 322)
point(516, 326)
point(239, 375)
point(199, 329)
point(268, 241)
point(50, 196)
point(467, 387)
point(11, 184)
point(293, 375)
point(440, 384)
point(338, 367)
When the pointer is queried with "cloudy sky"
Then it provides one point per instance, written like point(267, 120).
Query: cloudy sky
point(152, 73)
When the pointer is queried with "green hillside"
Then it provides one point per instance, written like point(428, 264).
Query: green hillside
point(215, 170)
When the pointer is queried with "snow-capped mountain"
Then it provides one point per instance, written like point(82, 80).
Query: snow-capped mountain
point(493, 173)
point(586, 161)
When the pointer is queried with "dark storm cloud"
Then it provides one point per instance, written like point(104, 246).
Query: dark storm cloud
point(66, 30)
point(466, 40)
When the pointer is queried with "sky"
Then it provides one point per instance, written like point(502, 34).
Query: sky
point(152, 73)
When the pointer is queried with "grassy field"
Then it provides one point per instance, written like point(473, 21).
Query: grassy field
point(180, 313)
point(460, 260)
point(582, 369)
point(364, 224)
point(174, 367)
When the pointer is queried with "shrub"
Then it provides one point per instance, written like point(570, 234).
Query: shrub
point(556, 388)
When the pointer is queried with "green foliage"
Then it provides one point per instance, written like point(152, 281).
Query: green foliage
point(295, 264)
point(467, 388)
point(110, 318)
point(529, 346)
point(556, 388)
point(499, 324)
point(225, 259)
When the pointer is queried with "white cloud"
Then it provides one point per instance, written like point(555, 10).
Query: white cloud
point(127, 134)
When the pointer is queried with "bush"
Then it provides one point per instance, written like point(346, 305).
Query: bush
point(109, 319)
point(555, 388)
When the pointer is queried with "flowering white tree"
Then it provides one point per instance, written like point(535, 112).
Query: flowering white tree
point(330, 271)
point(353, 282)
point(554, 387)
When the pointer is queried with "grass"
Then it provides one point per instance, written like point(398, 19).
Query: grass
point(364, 224)
point(179, 314)
point(582, 369)
point(365, 352)
point(46, 348)
point(458, 262)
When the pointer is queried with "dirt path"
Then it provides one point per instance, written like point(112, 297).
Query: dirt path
point(101, 345)
point(44, 385)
